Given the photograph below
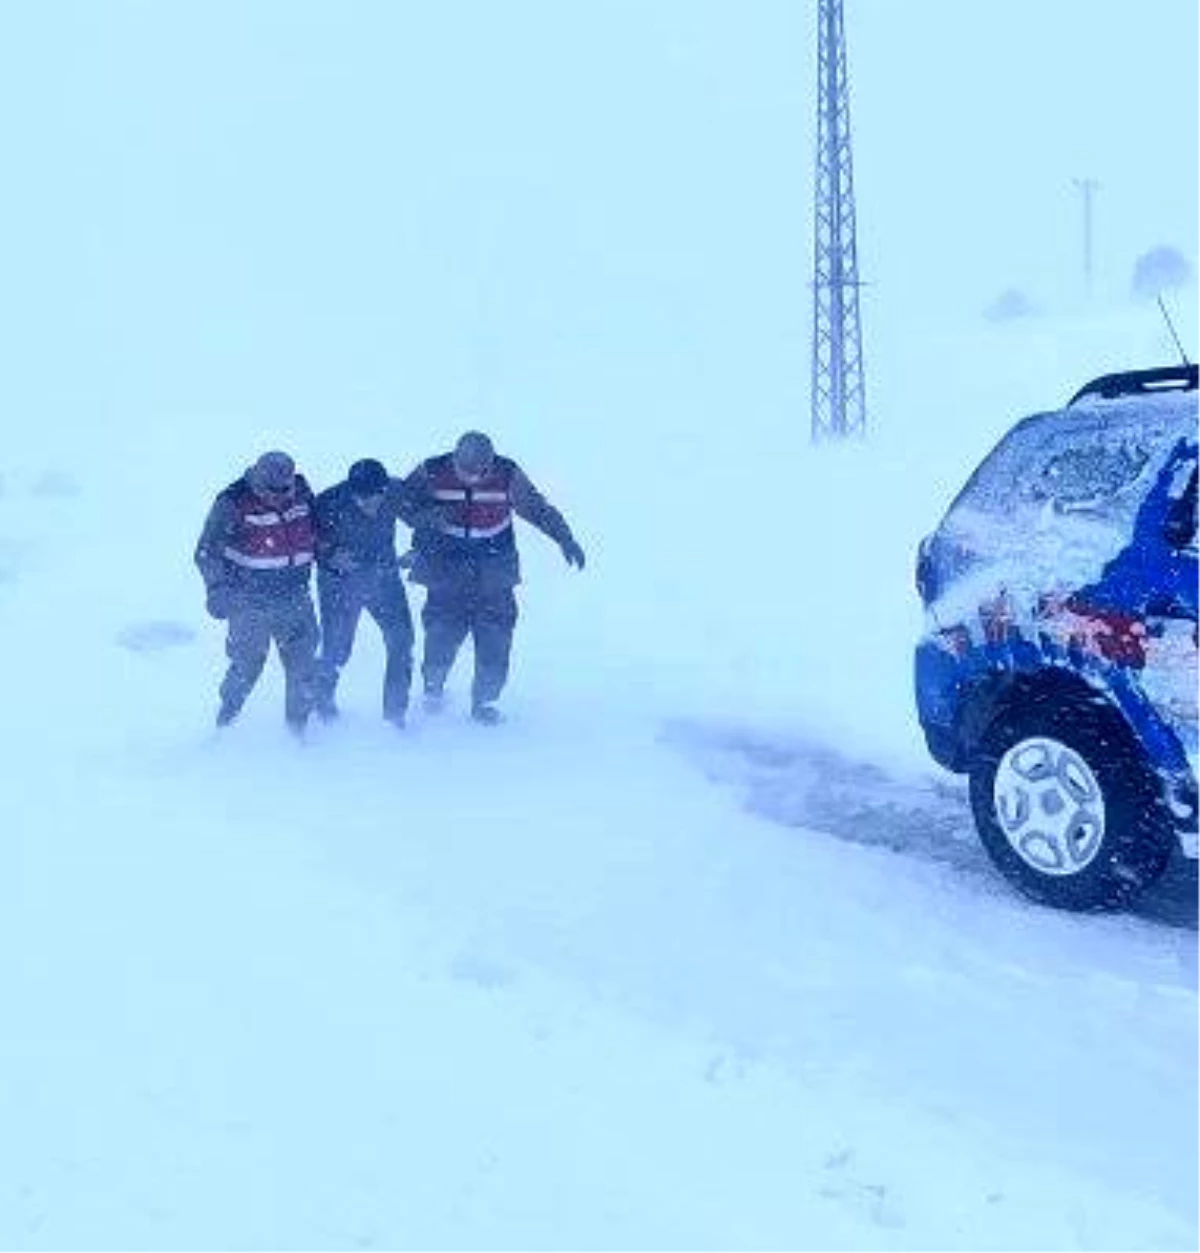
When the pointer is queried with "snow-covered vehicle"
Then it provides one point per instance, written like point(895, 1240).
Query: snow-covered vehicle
point(1058, 666)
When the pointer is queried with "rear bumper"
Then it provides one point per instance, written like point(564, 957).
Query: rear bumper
point(943, 746)
point(936, 680)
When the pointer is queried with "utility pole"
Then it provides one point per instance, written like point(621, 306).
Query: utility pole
point(838, 394)
point(1087, 188)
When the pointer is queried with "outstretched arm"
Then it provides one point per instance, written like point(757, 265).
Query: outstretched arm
point(530, 504)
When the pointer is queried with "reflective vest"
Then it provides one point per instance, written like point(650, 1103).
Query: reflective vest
point(472, 511)
point(272, 537)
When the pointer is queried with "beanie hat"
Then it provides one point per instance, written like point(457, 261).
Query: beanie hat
point(273, 472)
point(367, 477)
point(474, 454)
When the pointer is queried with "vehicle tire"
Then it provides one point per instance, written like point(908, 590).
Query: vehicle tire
point(1066, 805)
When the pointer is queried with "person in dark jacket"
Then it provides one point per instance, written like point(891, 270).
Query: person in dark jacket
point(358, 569)
point(466, 557)
point(255, 555)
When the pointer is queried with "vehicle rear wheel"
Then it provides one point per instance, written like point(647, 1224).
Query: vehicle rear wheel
point(1066, 805)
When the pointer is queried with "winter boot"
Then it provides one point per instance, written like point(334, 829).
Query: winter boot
point(227, 713)
point(486, 715)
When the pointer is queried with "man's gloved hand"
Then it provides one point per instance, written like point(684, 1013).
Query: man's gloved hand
point(217, 602)
point(572, 553)
point(341, 561)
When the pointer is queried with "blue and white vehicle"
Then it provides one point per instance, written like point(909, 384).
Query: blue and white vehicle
point(1058, 667)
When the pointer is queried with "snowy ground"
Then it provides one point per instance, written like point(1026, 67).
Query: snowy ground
point(697, 951)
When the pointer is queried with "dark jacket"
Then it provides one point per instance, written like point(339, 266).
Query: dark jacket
point(365, 541)
point(464, 532)
point(256, 547)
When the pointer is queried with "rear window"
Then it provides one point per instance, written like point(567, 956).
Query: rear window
point(1073, 463)
point(1056, 500)
point(1085, 477)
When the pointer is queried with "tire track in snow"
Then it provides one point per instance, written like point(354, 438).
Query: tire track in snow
point(799, 781)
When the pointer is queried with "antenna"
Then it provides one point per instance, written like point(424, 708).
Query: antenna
point(1171, 328)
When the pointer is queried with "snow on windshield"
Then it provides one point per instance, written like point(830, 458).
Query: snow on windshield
point(1056, 501)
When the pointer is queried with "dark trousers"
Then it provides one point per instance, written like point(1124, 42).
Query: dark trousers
point(451, 613)
point(254, 621)
point(343, 598)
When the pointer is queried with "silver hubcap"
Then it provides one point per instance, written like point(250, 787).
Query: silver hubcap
point(1049, 806)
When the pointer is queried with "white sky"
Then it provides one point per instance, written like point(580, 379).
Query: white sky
point(365, 207)
point(638, 1015)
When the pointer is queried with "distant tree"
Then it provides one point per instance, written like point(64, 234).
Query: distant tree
point(1161, 269)
point(1011, 303)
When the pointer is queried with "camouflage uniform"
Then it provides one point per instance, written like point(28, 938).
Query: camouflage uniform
point(255, 555)
point(467, 559)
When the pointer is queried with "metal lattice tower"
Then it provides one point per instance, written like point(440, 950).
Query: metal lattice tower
point(838, 398)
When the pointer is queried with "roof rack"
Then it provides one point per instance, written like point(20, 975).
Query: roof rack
point(1168, 378)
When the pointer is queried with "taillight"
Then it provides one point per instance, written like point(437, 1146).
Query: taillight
point(954, 640)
